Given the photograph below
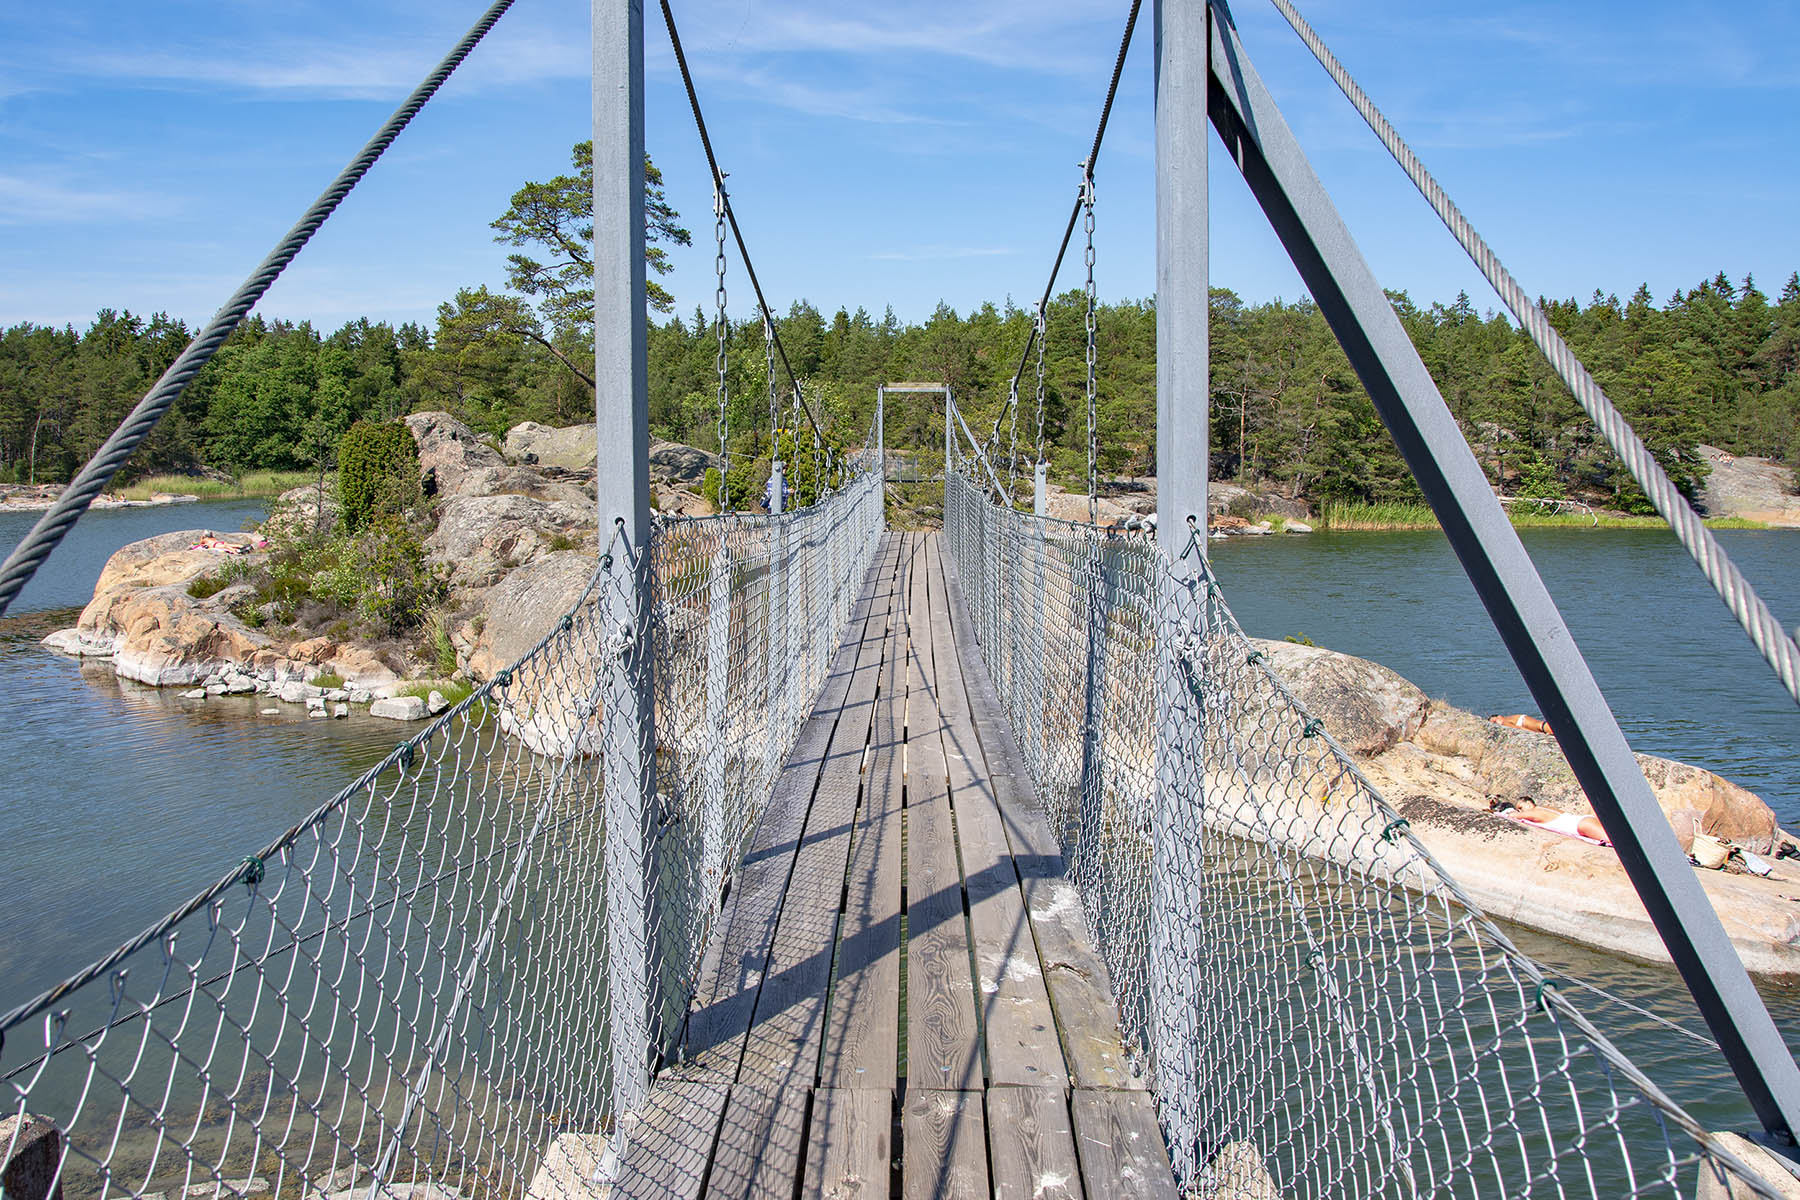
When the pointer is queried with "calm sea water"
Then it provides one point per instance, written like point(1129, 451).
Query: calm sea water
point(1680, 674)
point(118, 801)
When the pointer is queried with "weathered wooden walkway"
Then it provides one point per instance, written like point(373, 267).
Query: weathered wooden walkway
point(900, 997)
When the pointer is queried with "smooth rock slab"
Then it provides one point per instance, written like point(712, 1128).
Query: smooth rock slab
point(400, 708)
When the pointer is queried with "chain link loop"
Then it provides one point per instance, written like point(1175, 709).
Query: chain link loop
point(721, 361)
point(1012, 441)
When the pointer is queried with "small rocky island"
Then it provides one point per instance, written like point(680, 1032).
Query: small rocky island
point(1439, 766)
point(508, 540)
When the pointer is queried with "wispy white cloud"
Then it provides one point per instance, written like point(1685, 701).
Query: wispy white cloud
point(771, 87)
point(328, 68)
point(26, 199)
point(1046, 36)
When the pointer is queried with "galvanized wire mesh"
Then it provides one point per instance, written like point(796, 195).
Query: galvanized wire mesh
point(1320, 1009)
point(412, 992)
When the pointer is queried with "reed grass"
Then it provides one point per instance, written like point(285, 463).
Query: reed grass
point(1393, 517)
point(250, 484)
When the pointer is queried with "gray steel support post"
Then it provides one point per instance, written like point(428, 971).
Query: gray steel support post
point(1303, 216)
point(1040, 490)
point(1182, 416)
point(622, 437)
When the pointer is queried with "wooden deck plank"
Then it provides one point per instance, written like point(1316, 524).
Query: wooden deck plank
point(850, 1153)
point(1017, 1021)
point(942, 1031)
point(906, 770)
point(862, 1042)
point(781, 1048)
point(944, 1146)
point(1080, 986)
point(1032, 1145)
point(1121, 1146)
point(762, 1144)
point(668, 1148)
point(737, 955)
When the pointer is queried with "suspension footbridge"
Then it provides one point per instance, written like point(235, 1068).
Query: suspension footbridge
point(807, 857)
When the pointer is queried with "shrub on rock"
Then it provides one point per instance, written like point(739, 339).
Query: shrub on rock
point(378, 471)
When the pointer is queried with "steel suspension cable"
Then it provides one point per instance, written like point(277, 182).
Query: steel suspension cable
point(1777, 648)
point(712, 162)
point(50, 529)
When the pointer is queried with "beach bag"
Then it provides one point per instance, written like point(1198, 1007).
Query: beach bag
point(1709, 851)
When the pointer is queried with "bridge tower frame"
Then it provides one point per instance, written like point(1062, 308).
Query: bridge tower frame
point(1260, 144)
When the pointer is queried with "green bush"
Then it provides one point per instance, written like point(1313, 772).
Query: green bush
point(207, 585)
point(379, 573)
point(378, 471)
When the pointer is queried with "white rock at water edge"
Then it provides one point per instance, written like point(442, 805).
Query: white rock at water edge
point(340, 711)
point(436, 703)
point(399, 708)
point(198, 693)
point(271, 712)
point(1298, 527)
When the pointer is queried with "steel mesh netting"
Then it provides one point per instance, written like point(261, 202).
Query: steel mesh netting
point(750, 610)
point(1320, 1010)
point(407, 994)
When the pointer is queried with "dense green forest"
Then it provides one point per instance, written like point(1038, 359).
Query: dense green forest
point(1718, 363)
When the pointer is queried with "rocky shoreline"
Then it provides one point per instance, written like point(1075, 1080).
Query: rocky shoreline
point(23, 497)
point(1439, 766)
point(514, 537)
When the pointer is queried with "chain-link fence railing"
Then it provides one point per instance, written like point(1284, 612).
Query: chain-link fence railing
point(1319, 1008)
point(407, 994)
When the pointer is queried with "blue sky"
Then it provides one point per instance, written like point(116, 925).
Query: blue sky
point(895, 154)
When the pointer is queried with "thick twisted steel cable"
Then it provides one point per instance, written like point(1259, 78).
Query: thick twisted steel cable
point(712, 162)
point(50, 529)
point(1088, 164)
point(1771, 641)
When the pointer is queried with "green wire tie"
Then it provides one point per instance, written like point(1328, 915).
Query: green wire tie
point(1538, 1001)
point(1314, 958)
point(1391, 831)
point(253, 870)
point(1312, 727)
point(606, 562)
point(406, 757)
point(567, 623)
point(1256, 656)
point(502, 679)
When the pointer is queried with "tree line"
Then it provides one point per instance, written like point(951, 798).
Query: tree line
point(1718, 363)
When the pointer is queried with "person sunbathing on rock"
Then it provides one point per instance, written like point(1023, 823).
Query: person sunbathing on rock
point(1553, 819)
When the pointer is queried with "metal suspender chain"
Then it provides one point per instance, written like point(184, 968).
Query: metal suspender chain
point(720, 362)
point(1043, 329)
point(1012, 440)
point(1087, 220)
